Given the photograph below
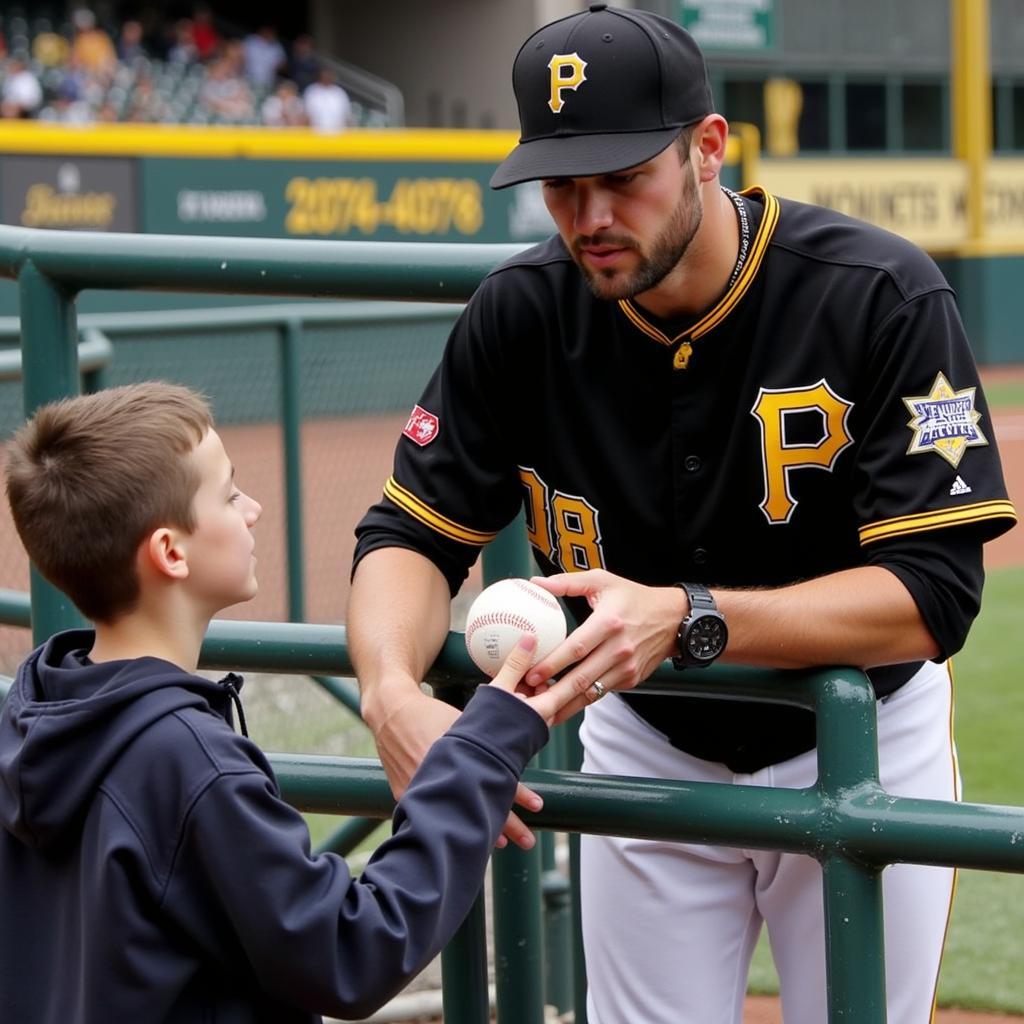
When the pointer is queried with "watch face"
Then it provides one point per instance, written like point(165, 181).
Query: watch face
point(706, 638)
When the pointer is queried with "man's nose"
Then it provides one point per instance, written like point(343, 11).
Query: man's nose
point(593, 211)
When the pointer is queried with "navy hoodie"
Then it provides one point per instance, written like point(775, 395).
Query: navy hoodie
point(150, 872)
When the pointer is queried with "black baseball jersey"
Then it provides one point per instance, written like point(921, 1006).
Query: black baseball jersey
point(825, 413)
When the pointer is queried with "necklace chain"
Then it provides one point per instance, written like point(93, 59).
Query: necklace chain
point(683, 354)
point(744, 223)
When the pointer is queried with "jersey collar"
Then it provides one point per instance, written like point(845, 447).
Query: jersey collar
point(728, 302)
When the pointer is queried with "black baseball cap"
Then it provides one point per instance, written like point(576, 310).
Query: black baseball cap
point(601, 91)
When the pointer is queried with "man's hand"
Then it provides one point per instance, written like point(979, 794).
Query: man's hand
point(547, 701)
point(631, 631)
point(407, 732)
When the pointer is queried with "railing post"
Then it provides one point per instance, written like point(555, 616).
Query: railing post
point(854, 942)
point(291, 413)
point(573, 762)
point(518, 937)
point(464, 971)
point(558, 955)
point(847, 740)
point(464, 960)
point(49, 353)
point(515, 875)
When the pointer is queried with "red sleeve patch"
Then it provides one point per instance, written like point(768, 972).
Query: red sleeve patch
point(422, 426)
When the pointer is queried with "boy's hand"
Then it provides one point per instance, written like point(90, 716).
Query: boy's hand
point(547, 701)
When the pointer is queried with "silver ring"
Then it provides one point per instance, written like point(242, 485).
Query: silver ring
point(599, 688)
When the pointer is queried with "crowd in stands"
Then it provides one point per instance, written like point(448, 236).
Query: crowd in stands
point(191, 70)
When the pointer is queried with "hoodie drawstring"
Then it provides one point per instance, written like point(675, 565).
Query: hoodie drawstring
point(230, 683)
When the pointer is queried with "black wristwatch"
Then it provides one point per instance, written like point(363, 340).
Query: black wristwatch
point(702, 634)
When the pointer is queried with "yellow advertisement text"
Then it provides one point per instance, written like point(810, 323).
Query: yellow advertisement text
point(415, 206)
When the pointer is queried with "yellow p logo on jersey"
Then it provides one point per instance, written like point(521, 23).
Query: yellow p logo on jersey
point(567, 72)
point(780, 457)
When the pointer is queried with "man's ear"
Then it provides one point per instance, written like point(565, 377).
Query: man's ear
point(709, 139)
point(164, 553)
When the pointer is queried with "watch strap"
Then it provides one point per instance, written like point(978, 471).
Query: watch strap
point(699, 597)
point(701, 600)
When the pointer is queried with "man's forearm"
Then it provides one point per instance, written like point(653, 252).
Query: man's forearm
point(863, 617)
point(398, 619)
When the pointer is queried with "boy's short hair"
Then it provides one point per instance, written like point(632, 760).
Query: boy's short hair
point(88, 478)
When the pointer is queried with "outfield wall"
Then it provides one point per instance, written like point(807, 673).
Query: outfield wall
point(432, 185)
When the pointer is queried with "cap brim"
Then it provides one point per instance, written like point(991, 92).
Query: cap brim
point(580, 156)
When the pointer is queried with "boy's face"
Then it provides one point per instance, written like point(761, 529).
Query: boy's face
point(220, 550)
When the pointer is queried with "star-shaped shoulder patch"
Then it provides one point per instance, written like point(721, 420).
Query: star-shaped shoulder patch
point(944, 421)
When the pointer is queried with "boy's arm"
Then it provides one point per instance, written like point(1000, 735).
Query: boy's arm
point(314, 936)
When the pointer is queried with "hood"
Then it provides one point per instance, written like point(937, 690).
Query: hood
point(66, 721)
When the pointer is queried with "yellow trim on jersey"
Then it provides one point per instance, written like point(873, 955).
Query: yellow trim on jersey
point(729, 301)
point(408, 502)
point(921, 521)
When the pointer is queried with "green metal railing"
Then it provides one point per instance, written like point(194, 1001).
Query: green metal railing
point(846, 820)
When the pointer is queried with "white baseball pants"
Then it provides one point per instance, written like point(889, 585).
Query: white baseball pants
point(669, 928)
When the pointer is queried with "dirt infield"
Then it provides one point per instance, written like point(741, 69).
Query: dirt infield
point(765, 1010)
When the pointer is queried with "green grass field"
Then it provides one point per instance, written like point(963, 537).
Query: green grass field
point(986, 941)
point(1005, 394)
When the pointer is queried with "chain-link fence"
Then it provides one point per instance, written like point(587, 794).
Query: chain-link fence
point(361, 367)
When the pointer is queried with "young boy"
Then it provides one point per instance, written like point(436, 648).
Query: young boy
point(149, 870)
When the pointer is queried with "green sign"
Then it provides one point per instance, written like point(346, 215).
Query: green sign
point(729, 24)
point(351, 200)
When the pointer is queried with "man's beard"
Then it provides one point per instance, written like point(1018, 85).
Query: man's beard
point(665, 252)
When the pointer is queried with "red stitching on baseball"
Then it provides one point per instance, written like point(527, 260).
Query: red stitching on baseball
point(500, 619)
point(538, 593)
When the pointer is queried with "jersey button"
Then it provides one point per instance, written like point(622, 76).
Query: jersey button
point(700, 556)
point(691, 463)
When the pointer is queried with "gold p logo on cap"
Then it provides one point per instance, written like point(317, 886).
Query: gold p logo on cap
point(559, 64)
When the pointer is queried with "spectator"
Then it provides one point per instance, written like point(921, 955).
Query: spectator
point(224, 94)
point(92, 49)
point(284, 107)
point(146, 104)
point(233, 52)
point(205, 36)
point(129, 45)
point(22, 93)
point(50, 49)
point(183, 48)
point(107, 113)
point(264, 56)
point(68, 107)
point(77, 83)
point(327, 104)
point(304, 66)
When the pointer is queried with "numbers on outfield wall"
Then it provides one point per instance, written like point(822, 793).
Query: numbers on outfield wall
point(415, 206)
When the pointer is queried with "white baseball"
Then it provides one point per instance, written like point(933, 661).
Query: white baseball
point(501, 614)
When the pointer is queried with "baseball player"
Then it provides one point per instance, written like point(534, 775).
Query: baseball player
point(740, 427)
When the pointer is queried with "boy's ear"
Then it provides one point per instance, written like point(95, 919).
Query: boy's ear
point(164, 553)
